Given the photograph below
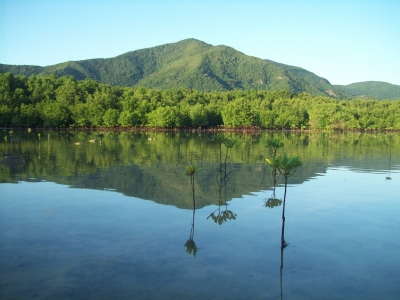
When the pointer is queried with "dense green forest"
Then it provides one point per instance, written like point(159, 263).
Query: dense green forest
point(52, 101)
point(193, 64)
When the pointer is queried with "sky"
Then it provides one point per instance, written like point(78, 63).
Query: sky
point(344, 41)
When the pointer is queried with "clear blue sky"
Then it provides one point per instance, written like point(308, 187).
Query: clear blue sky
point(343, 41)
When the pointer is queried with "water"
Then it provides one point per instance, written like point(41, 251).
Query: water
point(110, 221)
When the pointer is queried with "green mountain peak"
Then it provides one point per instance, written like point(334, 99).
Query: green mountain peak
point(194, 64)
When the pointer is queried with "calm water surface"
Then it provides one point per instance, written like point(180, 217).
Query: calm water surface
point(110, 220)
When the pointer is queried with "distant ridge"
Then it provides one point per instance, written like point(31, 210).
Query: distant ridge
point(197, 65)
point(372, 90)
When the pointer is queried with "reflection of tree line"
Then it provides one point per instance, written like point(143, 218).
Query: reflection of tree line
point(94, 161)
point(11, 160)
point(90, 165)
point(159, 157)
point(153, 147)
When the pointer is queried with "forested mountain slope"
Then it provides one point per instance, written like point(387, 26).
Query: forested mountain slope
point(197, 65)
point(189, 64)
point(372, 90)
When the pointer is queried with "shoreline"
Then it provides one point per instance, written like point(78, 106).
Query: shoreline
point(249, 130)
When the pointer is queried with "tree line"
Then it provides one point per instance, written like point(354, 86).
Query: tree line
point(51, 101)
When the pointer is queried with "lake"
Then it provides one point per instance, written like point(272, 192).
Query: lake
point(112, 215)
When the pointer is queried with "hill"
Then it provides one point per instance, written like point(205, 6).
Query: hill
point(194, 64)
point(372, 90)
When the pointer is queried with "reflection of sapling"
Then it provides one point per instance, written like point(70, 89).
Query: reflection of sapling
point(274, 144)
point(191, 247)
point(222, 217)
point(390, 161)
point(229, 143)
point(190, 170)
point(190, 244)
point(222, 179)
point(219, 139)
point(273, 202)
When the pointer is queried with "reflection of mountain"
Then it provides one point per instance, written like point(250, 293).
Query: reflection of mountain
point(167, 184)
point(155, 169)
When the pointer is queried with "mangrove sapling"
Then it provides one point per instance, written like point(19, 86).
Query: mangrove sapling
point(190, 245)
point(273, 201)
point(281, 272)
point(219, 216)
point(286, 167)
point(390, 162)
point(219, 140)
point(221, 177)
point(222, 216)
point(190, 170)
point(229, 143)
point(187, 136)
point(273, 144)
point(48, 143)
point(11, 136)
point(216, 215)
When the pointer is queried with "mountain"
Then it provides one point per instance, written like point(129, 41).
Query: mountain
point(192, 64)
point(372, 89)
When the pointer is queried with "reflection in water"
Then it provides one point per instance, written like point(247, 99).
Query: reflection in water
point(281, 166)
point(390, 161)
point(272, 201)
point(273, 145)
point(286, 166)
point(12, 161)
point(281, 272)
point(222, 216)
point(222, 179)
point(96, 166)
point(190, 245)
point(46, 250)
